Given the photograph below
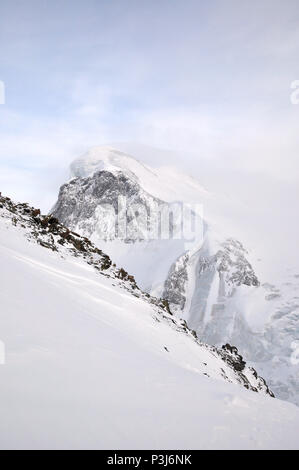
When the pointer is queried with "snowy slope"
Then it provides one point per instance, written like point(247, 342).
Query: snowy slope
point(165, 183)
point(91, 362)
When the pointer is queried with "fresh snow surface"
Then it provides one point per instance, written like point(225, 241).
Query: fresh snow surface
point(86, 367)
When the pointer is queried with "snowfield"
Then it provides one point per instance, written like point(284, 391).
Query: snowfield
point(91, 366)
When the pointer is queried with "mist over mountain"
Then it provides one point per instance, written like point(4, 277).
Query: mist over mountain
point(213, 282)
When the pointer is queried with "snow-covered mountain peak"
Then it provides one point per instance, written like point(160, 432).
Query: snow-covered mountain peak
point(105, 158)
point(165, 183)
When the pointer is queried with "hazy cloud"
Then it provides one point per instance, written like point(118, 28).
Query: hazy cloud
point(209, 79)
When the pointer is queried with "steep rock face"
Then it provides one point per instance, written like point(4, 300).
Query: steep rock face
point(111, 206)
point(229, 264)
point(231, 260)
point(232, 357)
point(222, 299)
point(142, 233)
point(175, 284)
point(93, 206)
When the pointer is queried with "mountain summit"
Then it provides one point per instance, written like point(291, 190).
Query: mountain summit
point(165, 183)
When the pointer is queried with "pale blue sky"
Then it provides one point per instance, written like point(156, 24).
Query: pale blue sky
point(211, 78)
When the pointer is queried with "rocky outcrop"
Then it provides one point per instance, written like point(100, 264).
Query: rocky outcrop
point(106, 206)
point(251, 380)
point(229, 263)
point(175, 284)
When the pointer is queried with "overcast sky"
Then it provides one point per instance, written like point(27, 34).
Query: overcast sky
point(210, 80)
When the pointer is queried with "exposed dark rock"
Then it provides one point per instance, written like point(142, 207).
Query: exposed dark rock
point(234, 358)
point(88, 205)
